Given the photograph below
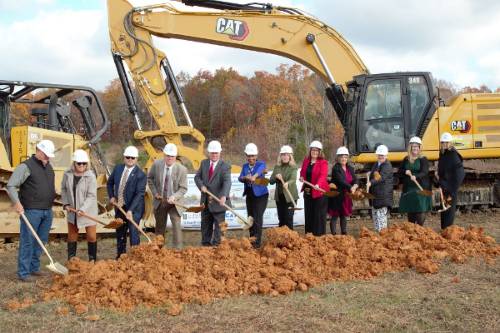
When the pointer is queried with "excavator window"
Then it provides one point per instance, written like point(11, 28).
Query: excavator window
point(382, 120)
point(419, 100)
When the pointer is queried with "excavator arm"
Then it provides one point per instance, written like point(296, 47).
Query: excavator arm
point(277, 30)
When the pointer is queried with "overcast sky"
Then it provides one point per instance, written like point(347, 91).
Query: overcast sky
point(66, 41)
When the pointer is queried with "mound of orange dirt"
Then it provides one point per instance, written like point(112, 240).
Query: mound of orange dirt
point(151, 275)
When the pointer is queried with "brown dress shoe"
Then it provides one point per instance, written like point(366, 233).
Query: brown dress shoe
point(40, 274)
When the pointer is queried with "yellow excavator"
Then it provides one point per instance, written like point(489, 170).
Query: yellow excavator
point(386, 108)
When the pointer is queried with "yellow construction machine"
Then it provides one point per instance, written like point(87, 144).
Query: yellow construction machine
point(386, 108)
point(71, 116)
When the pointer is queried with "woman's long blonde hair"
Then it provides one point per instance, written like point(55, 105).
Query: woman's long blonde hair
point(410, 157)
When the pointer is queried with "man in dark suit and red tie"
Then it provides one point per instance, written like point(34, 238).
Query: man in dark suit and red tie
point(126, 187)
point(213, 175)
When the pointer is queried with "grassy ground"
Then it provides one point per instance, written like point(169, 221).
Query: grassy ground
point(460, 298)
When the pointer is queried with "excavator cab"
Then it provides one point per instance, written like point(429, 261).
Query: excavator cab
point(388, 109)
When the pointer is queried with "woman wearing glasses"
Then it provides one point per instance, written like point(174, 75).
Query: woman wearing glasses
point(79, 191)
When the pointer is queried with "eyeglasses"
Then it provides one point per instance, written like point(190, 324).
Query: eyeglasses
point(81, 163)
point(130, 157)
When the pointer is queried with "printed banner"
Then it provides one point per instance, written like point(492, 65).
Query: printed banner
point(191, 221)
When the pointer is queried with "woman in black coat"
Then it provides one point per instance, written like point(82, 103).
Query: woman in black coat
point(345, 180)
point(450, 176)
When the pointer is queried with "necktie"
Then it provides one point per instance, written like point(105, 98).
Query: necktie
point(165, 183)
point(211, 171)
point(121, 189)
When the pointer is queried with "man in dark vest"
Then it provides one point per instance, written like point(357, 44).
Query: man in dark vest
point(34, 178)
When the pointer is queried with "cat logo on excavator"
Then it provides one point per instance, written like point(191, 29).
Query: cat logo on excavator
point(236, 30)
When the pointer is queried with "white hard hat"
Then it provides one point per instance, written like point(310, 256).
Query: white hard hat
point(316, 144)
point(286, 150)
point(342, 151)
point(416, 139)
point(47, 147)
point(251, 149)
point(131, 151)
point(446, 137)
point(80, 155)
point(382, 150)
point(214, 147)
point(170, 149)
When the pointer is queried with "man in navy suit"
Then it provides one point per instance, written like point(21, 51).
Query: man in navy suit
point(126, 187)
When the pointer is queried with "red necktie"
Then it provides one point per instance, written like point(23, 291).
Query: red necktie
point(211, 171)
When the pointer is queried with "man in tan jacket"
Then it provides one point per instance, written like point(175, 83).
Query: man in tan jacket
point(167, 180)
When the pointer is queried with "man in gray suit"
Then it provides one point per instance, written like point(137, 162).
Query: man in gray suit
point(213, 175)
point(167, 180)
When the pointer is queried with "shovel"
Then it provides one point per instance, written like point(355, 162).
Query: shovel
point(132, 221)
point(191, 209)
point(443, 205)
point(115, 224)
point(53, 265)
point(287, 191)
point(247, 223)
point(361, 196)
point(427, 193)
point(330, 194)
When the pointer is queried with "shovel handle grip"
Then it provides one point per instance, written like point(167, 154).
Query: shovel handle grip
point(132, 221)
point(35, 235)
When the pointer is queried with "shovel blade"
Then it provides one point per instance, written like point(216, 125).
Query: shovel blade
point(194, 209)
point(262, 181)
point(332, 194)
point(248, 223)
point(57, 268)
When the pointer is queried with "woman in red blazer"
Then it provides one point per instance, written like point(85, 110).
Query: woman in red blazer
point(315, 170)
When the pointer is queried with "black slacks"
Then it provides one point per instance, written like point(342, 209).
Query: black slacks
point(315, 214)
point(285, 213)
point(448, 216)
point(255, 208)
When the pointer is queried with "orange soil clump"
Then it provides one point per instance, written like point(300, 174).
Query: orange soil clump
point(15, 304)
point(151, 275)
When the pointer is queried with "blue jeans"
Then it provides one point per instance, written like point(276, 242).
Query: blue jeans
point(28, 260)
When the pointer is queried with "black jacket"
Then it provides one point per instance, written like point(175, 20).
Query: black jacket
point(422, 174)
point(382, 189)
point(450, 171)
point(338, 178)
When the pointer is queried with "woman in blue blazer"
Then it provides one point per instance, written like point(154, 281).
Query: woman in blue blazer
point(256, 195)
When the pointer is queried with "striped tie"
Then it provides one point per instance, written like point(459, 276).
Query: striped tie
point(121, 189)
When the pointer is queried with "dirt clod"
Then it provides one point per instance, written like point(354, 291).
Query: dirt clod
point(15, 304)
point(151, 275)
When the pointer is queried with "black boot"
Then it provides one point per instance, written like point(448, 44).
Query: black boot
point(72, 249)
point(92, 250)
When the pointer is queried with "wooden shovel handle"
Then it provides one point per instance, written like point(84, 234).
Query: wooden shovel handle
point(132, 221)
point(71, 209)
point(288, 192)
point(418, 184)
point(226, 206)
point(314, 186)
